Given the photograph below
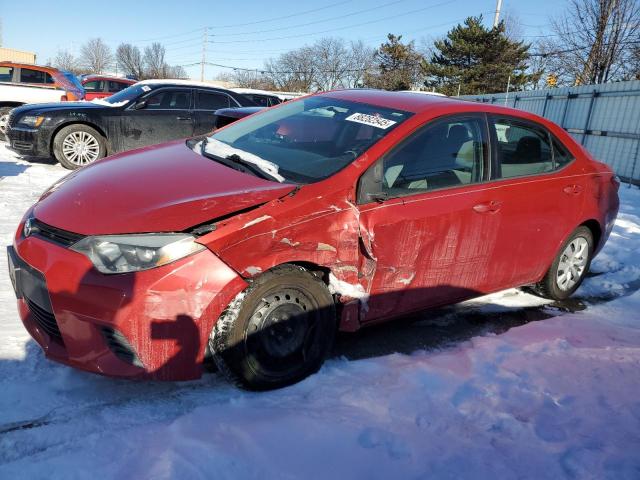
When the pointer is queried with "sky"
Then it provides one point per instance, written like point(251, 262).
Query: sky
point(246, 33)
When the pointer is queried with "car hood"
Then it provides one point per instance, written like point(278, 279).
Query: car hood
point(59, 107)
point(165, 188)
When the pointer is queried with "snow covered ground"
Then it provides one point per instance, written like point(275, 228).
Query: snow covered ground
point(557, 398)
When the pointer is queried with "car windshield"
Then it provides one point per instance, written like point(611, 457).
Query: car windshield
point(306, 140)
point(128, 94)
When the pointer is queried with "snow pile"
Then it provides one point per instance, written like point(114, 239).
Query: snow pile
point(550, 399)
point(104, 103)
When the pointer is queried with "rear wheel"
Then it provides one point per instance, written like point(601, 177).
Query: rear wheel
point(4, 120)
point(277, 332)
point(569, 267)
point(78, 145)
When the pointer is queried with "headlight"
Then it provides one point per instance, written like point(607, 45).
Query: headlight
point(132, 253)
point(32, 120)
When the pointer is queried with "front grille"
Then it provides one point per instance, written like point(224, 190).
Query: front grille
point(53, 234)
point(120, 346)
point(45, 320)
point(22, 145)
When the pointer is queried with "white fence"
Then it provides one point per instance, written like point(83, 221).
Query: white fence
point(604, 118)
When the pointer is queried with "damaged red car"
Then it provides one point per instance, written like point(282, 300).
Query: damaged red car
point(334, 211)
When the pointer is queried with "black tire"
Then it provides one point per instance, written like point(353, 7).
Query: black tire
point(99, 146)
point(4, 116)
point(276, 332)
point(549, 286)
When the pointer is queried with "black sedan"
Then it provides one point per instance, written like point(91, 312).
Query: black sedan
point(147, 113)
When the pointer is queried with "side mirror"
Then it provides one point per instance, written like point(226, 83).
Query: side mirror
point(370, 185)
point(140, 105)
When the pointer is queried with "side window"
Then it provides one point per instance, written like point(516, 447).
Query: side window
point(523, 149)
point(6, 74)
point(116, 86)
point(212, 101)
point(446, 153)
point(561, 155)
point(93, 86)
point(169, 100)
point(33, 76)
point(49, 79)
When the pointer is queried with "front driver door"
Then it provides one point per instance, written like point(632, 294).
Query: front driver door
point(167, 115)
point(427, 229)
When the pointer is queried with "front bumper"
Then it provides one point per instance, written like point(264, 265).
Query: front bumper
point(153, 324)
point(31, 142)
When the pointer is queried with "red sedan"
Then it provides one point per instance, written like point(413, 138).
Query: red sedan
point(335, 211)
point(102, 86)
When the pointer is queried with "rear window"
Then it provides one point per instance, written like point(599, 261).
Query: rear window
point(6, 74)
point(212, 101)
point(28, 75)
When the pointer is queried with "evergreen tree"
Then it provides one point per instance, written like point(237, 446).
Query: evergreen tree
point(477, 60)
point(397, 65)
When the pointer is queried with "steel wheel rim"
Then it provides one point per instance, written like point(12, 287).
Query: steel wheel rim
point(80, 148)
point(282, 356)
point(573, 263)
point(4, 120)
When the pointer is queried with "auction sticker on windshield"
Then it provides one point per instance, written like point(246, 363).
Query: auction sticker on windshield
point(371, 120)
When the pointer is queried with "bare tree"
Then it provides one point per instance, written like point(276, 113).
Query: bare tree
point(360, 61)
point(249, 79)
point(293, 71)
point(95, 56)
point(595, 40)
point(154, 61)
point(129, 60)
point(65, 60)
point(331, 60)
point(176, 71)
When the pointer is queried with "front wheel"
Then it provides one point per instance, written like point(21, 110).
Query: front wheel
point(569, 267)
point(277, 332)
point(75, 146)
point(4, 120)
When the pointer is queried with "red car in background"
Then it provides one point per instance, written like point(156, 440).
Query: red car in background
point(335, 211)
point(101, 86)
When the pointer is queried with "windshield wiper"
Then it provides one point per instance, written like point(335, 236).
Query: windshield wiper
point(254, 167)
point(231, 156)
point(235, 162)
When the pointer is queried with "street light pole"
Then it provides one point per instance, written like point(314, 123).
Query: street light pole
point(496, 17)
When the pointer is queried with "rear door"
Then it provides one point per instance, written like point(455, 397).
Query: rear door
point(207, 102)
point(540, 196)
point(167, 115)
point(426, 237)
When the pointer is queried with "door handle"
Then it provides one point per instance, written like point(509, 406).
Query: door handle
point(572, 189)
point(490, 207)
point(183, 119)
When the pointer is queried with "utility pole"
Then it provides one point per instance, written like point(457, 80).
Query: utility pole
point(496, 17)
point(204, 54)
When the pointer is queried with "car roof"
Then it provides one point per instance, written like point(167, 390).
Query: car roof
point(94, 76)
point(29, 65)
point(186, 83)
point(418, 103)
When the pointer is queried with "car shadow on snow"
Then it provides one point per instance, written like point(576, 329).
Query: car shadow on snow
point(11, 169)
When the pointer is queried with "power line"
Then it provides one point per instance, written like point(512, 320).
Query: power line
point(339, 17)
point(577, 49)
point(282, 17)
point(411, 12)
